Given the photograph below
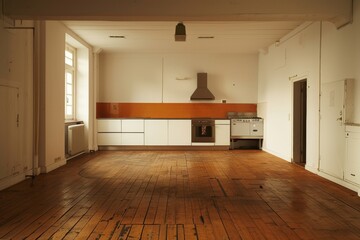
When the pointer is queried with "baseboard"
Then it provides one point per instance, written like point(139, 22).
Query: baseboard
point(340, 182)
point(311, 169)
point(286, 158)
point(30, 172)
point(165, 148)
point(11, 180)
point(76, 155)
point(53, 166)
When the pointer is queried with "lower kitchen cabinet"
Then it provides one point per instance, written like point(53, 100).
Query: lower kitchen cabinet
point(222, 133)
point(352, 160)
point(132, 125)
point(109, 125)
point(132, 139)
point(156, 132)
point(179, 132)
point(109, 139)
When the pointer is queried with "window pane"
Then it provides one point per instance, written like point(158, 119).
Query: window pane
point(68, 89)
point(69, 110)
point(69, 61)
point(68, 54)
point(69, 100)
point(68, 77)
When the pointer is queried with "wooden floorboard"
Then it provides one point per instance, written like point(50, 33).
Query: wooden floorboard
point(195, 195)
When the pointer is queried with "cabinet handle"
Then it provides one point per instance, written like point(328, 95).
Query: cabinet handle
point(352, 174)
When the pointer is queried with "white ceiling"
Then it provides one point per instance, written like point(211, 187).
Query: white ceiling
point(158, 37)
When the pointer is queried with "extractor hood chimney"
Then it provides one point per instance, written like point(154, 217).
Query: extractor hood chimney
point(202, 92)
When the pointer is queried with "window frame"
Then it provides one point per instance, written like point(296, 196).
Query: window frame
point(70, 69)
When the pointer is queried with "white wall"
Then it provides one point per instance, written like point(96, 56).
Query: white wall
point(53, 154)
point(295, 58)
point(84, 80)
point(320, 53)
point(172, 77)
point(341, 55)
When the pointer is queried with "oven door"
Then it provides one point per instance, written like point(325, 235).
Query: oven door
point(240, 128)
point(203, 132)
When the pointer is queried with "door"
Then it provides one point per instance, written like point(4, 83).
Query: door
point(332, 129)
point(9, 131)
point(299, 122)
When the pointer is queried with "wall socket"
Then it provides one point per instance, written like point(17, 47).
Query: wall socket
point(57, 159)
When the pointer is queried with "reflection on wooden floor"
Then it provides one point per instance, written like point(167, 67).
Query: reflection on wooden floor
point(245, 194)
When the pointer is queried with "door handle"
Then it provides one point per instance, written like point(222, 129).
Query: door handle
point(339, 119)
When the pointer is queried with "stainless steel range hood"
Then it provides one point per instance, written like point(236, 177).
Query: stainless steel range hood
point(202, 92)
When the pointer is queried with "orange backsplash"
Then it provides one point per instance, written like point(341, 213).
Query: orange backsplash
point(170, 110)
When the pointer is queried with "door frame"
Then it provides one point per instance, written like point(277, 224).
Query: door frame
point(292, 81)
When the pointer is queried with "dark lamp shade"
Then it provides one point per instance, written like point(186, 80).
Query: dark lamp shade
point(180, 32)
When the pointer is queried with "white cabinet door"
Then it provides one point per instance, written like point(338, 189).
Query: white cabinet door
point(109, 125)
point(332, 129)
point(222, 135)
point(9, 131)
point(156, 132)
point(132, 125)
point(109, 139)
point(180, 132)
point(131, 139)
point(352, 160)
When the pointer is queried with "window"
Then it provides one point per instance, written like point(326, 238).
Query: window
point(70, 76)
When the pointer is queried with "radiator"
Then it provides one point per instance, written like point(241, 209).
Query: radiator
point(76, 139)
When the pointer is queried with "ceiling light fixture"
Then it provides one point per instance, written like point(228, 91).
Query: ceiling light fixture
point(180, 32)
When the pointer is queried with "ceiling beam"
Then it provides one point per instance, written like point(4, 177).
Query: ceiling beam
point(338, 12)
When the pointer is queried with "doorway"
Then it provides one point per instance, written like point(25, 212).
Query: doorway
point(299, 122)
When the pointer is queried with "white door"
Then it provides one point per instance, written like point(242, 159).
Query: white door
point(332, 129)
point(9, 134)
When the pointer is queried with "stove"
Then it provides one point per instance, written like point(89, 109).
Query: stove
point(246, 126)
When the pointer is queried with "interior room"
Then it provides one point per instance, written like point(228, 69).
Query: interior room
point(232, 120)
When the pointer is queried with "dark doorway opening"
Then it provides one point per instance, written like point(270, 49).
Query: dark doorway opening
point(299, 122)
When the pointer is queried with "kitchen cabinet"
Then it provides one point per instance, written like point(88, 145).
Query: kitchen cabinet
point(179, 132)
point(109, 139)
point(132, 139)
point(109, 132)
point(132, 125)
point(352, 160)
point(222, 132)
point(132, 132)
point(109, 125)
point(156, 132)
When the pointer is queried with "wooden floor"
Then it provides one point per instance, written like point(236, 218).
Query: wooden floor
point(240, 194)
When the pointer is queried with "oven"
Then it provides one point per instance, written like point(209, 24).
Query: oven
point(203, 131)
point(246, 126)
